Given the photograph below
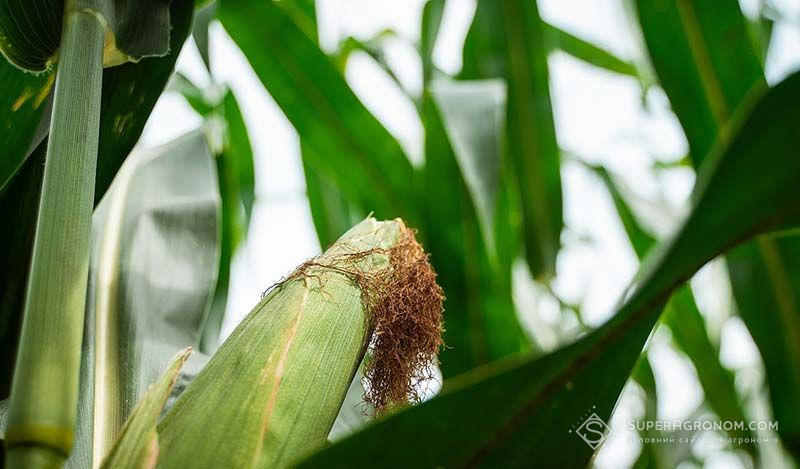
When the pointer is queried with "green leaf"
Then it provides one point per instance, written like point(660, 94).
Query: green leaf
point(506, 41)
point(432, 14)
point(196, 97)
point(643, 374)
point(688, 327)
point(526, 407)
point(479, 311)
point(155, 256)
point(129, 93)
point(30, 30)
point(280, 378)
point(202, 20)
point(137, 445)
point(349, 146)
point(23, 99)
point(706, 61)
point(236, 179)
point(19, 206)
point(765, 275)
point(331, 213)
point(581, 49)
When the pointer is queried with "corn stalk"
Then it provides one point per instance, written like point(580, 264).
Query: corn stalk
point(43, 406)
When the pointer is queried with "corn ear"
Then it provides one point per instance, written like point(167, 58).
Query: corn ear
point(272, 391)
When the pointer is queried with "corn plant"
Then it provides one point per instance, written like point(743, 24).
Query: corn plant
point(117, 262)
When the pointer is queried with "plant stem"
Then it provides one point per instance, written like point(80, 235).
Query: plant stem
point(44, 391)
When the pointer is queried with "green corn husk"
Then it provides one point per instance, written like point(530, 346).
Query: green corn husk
point(137, 446)
point(272, 391)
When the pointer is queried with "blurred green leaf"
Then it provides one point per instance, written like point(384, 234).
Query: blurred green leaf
point(649, 457)
point(137, 445)
point(481, 321)
point(129, 93)
point(688, 327)
point(30, 30)
point(23, 99)
point(506, 41)
point(765, 275)
point(202, 20)
point(581, 49)
point(154, 265)
point(19, 206)
point(432, 14)
point(525, 407)
point(196, 97)
point(331, 213)
point(706, 61)
point(236, 179)
point(349, 146)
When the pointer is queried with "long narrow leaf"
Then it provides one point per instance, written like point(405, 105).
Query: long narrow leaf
point(349, 146)
point(688, 327)
point(706, 61)
point(481, 319)
point(506, 41)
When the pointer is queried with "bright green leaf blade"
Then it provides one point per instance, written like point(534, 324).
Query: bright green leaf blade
point(137, 445)
point(193, 95)
point(350, 147)
point(590, 53)
point(432, 14)
point(280, 378)
point(705, 60)
point(717, 63)
point(30, 30)
point(641, 241)
point(481, 321)
point(506, 41)
point(526, 408)
point(643, 374)
point(153, 269)
point(765, 275)
point(240, 156)
point(236, 178)
point(689, 331)
point(23, 98)
point(332, 214)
